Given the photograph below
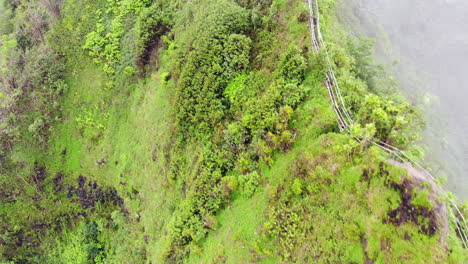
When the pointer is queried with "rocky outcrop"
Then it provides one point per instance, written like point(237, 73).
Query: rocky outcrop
point(418, 180)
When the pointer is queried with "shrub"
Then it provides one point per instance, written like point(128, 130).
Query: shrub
point(129, 71)
point(210, 57)
point(292, 65)
point(249, 182)
point(235, 138)
point(396, 124)
point(280, 220)
point(236, 54)
point(165, 77)
point(104, 43)
point(293, 94)
point(230, 183)
point(89, 126)
point(36, 128)
point(297, 187)
point(31, 84)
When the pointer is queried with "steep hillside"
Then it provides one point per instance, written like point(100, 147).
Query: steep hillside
point(139, 131)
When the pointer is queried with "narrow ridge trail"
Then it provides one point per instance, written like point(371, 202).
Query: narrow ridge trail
point(345, 121)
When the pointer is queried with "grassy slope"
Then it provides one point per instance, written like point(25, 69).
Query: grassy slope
point(136, 135)
point(133, 143)
point(137, 131)
point(239, 234)
point(136, 140)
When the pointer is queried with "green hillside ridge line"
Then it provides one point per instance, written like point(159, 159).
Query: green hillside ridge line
point(314, 23)
point(170, 131)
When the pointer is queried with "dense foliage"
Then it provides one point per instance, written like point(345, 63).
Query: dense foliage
point(139, 131)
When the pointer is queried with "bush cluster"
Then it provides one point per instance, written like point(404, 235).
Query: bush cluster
point(31, 79)
point(242, 114)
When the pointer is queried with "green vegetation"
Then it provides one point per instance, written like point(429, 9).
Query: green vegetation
point(200, 132)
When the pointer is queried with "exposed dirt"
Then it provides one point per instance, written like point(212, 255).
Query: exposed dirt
point(39, 175)
point(84, 192)
point(303, 17)
point(366, 255)
point(408, 212)
point(151, 52)
point(88, 194)
point(58, 182)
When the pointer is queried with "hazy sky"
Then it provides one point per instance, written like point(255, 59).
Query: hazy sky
point(432, 37)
